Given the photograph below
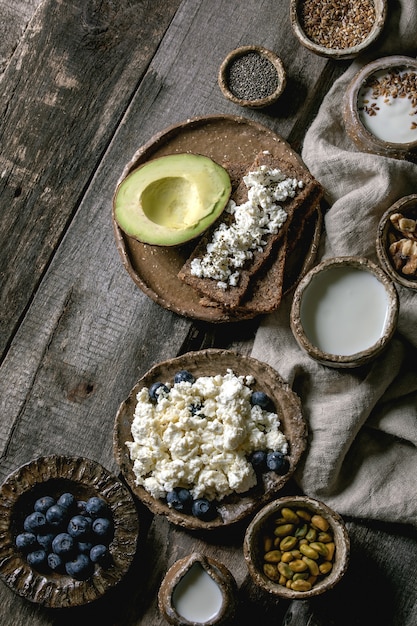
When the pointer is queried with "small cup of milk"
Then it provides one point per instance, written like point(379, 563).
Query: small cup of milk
point(344, 311)
point(380, 108)
point(198, 590)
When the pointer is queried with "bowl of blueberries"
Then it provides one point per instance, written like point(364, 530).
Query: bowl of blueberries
point(68, 531)
point(208, 437)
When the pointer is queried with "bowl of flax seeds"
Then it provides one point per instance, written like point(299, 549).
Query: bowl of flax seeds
point(338, 29)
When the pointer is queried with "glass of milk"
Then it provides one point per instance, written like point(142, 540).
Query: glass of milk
point(344, 311)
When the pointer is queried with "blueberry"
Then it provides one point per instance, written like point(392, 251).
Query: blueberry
point(37, 559)
point(67, 501)
point(35, 522)
point(45, 540)
point(259, 398)
point(80, 508)
point(56, 516)
point(156, 389)
point(100, 554)
point(184, 376)
point(80, 568)
point(96, 507)
point(204, 509)
point(103, 528)
point(42, 504)
point(84, 547)
point(55, 562)
point(258, 461)
point(195, 408)
point(26, 542)
point(79, 526)
point(64, 546)
point(276, 462)
point(180, 499)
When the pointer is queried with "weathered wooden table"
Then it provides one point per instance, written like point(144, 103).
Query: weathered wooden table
point(84, 84)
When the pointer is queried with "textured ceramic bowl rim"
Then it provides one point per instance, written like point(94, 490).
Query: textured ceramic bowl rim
point(260, 102)
point(339, 53)
point(355, 129)
point(216, 570)
point(359, 358)
point(252, 547)
point(402, 205)
point(54, 590)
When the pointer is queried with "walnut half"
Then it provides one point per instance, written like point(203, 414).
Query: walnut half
point(404, 256)
point(405, 225)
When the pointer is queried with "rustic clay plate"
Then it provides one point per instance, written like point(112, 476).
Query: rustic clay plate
point(227, 140)
point(209, 363)
point(55, 475)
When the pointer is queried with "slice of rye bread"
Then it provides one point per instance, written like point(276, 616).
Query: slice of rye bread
point(232, 297)
point(266, 287)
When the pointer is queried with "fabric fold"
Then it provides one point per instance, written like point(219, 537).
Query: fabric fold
point(362, 451)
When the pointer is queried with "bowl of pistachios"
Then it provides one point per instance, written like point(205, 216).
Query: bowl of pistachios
point(296, 547)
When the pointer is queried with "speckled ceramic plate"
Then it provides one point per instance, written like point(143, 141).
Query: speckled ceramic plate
point(209, 363)
point(55, 475)
point(225, 139)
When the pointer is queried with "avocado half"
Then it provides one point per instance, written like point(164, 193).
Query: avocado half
point(171, 199)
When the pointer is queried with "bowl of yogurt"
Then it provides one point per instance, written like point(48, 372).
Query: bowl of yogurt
point(344, 311)
point(380, 108)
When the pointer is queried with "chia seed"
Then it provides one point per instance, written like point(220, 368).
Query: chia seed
point(252, 77)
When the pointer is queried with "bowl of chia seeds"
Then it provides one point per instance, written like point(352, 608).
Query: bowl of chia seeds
point(337, 29)
point(252, 76)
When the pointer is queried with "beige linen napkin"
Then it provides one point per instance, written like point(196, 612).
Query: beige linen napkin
point(362, 451)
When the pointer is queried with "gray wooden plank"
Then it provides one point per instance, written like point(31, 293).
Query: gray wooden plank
point(63, 94)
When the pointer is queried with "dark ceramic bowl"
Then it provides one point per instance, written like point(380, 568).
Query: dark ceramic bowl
point(54, 476)
point(357, 121)
point(388, 236)
point(338, 53)
point(263, 525)
point(221, 593)
point(261, 101)
point(354, 338)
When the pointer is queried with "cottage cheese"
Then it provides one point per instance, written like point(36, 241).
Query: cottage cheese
point(262, 215)
point(205, 450)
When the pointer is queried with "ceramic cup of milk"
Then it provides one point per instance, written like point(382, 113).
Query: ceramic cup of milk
point(380, 108)
point(344, 311)
point(198, 590)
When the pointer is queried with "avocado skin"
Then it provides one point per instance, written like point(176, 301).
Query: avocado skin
point(171, 199)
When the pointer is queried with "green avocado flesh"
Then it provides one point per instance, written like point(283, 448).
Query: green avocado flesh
point(171, 199)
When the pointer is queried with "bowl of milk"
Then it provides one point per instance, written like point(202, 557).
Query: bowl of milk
point(380, 108)
point(344, 311)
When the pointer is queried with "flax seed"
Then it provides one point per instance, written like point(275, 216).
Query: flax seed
point(337, 24)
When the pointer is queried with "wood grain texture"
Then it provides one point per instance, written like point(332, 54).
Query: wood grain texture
point(88, 83)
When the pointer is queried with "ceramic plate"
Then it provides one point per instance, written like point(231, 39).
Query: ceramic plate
point(227, 140)
point(209, 363)
point(55, 475)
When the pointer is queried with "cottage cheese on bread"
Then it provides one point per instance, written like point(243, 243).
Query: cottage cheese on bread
point(199, 436)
